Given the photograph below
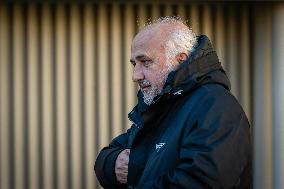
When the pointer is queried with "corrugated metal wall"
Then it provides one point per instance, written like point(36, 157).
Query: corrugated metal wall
point(66, 88)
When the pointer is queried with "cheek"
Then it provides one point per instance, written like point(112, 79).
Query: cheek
point(157, 73)
point(156, 78)
point(150, 76)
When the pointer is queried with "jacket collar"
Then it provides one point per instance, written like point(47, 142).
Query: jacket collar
point(201, 67)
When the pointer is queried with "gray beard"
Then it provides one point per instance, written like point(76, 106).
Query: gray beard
point(150, 94)
point(153, 91)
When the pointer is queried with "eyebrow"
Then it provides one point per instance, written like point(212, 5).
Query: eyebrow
point(139, 57)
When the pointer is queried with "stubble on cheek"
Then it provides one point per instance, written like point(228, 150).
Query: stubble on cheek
point(155, 88)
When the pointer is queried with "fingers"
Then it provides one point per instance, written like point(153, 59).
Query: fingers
point(121, 175)
point(121, 166)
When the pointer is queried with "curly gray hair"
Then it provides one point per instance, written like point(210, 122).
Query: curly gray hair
point(180, 40)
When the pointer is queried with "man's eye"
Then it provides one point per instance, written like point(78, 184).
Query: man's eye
point(133, 63)
point(146, 62)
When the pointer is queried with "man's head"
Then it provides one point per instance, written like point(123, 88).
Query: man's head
point(157, 50)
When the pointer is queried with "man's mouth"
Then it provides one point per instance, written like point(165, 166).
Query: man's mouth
point(144, 87)
point(144, 84)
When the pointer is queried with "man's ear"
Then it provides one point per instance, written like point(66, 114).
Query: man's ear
point(181, 57)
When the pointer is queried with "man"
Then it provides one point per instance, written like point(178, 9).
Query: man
point(188, 130)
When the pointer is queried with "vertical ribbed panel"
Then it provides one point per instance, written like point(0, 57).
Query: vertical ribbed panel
point(33, 96)
point(194, 19)
point(66, 82)
point(168, 10)
point(278, 93)
point(5, 99)
point(75, 73)
point(103, 62)
point(207, 22)
point(47, 76)
point(18, 95)
point(262, 99)
point(142, 15)
point(89, 96)
point(128, 32)
point(116, 115)
point(232, 60)
point(244, 64)
point(61, 94)
point(181, 9)
point(220, 34)
point(154, 11)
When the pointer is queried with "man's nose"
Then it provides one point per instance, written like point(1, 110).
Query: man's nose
point(137, 73)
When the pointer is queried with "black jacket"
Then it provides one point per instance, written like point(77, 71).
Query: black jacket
point(195, 135)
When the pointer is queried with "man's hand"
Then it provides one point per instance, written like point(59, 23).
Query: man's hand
point(121, 166)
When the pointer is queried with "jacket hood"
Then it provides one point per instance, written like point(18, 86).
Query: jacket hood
point(200, 68)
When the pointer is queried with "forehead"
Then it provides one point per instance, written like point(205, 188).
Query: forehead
point(147, 42)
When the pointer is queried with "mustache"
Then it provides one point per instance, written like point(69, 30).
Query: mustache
point(143, 83)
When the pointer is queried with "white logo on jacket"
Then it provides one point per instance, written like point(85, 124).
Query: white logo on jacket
point(159, 146)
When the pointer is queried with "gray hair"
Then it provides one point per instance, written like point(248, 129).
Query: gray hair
point(181, 40)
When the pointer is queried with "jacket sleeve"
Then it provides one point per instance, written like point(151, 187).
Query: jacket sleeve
point(215, 149)
point(105, 162)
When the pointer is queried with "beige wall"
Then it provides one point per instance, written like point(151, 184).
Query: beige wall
point(66, 89)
